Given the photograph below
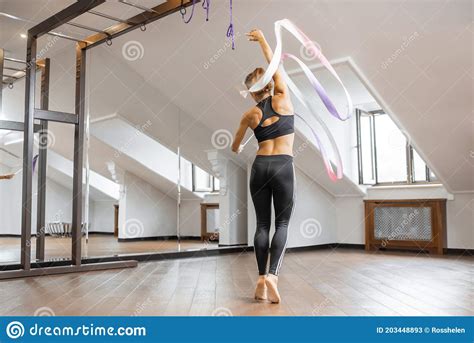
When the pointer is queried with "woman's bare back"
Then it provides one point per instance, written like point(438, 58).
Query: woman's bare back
point(282, 145)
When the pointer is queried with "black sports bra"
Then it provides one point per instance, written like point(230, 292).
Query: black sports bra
point(283, 126)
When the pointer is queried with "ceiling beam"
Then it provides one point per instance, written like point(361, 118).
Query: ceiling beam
point(139, 20)
point(62, 17)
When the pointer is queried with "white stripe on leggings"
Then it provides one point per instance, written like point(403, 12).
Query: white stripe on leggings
point(280, 260)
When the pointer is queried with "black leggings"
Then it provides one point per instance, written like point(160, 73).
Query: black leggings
point(272, 176)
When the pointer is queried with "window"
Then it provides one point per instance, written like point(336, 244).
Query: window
point(384, 154)
point(216, 183)
point(203, 181)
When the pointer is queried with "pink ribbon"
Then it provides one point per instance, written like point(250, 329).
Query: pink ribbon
point(276, 62)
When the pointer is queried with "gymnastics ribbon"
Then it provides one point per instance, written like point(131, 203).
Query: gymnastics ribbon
point(278, 58)
point(206, 4)
point(230, 29)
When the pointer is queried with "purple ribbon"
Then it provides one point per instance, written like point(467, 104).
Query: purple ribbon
point(230, 29)
point(183, 12)
point(206, 4)
point(35, 159)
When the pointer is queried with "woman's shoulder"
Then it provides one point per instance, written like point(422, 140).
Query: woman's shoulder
point(253, 116)
point(282, 105)
point(253, 112)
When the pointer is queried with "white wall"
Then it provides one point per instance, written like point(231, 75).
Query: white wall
point(314, 218)
point(233, 205)
point(58, 203)
point(10, 203)
point(350, 220)
point(190, 218)
point(460, 213)
point(145, 211)
point(102, 216)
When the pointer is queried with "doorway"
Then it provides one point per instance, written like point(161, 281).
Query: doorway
point(210, 222)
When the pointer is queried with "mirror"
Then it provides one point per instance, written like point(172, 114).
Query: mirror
point(133, 160)
point(11, 157)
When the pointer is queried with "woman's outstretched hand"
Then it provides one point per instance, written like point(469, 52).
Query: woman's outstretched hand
point(255, 35)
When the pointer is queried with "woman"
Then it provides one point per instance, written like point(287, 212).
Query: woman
point(273, 173)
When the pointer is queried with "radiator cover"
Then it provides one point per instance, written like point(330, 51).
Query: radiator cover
point(414, 224)
point(403, 223)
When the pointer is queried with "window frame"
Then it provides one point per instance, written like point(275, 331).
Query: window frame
point(212, 182)
point(410, 175)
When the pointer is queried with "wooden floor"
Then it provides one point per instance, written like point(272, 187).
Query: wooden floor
point(99, 245)
point(323, 282)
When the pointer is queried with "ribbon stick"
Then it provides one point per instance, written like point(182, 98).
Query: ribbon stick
point(248, 140)
point(278, 58)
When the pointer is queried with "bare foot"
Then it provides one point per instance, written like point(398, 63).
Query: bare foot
point(261, 289)
point(272, 289)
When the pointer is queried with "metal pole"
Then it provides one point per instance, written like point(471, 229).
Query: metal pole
point(28, 152)
point(143, 8)
point(409, 161)
point(78, 155)
point(178, 202)
point(105, 15)
point(60, 35)
point(86, 160)
point(359, 147)
point(42, 164)
point(14, 69)
point(14, 60)
point(84, 27)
